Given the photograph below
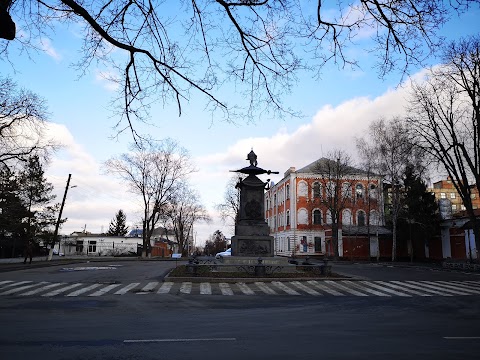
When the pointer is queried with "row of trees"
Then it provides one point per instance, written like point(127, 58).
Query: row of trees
point(27, 209)
point(440, 133)
point(157, 172)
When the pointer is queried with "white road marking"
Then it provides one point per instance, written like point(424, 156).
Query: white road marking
point(264, 287)
point(466, 285)
point(364, 288)
point(305, 288)
point(165, 288)
point(476, 282)
point(126, 289)
point(447, 284)
point(205, 289)
point(280, 285)
point(411, 291)
point(385, 289)
point(186, 288)
point(462, 337)
point(435, 286)
point(421, 288)
point(62, 290)
point(345, 288)
point(16, 284)
point(84, 290)
point(225, 289)
point(150, 286)
point(244, 288)
point(324, 288)
point(21, 288)
point(105, 290)
point(177, 340)
point(43, 288)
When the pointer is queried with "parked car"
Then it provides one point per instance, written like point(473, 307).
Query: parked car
point(223, 253)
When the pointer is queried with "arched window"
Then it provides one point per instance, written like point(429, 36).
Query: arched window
point(317, 190)
point(328, 217)
point(346, 217)
point(288, 217)
point(359, 191)
point(373, 191)
point(330, 190)
point(361, 218)
point(346, 190)
point(374, 218)
point(287, 190)
point(303, 216)
point(317, 217)
point(302, 188)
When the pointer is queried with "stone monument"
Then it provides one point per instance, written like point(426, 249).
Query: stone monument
point(252, 237)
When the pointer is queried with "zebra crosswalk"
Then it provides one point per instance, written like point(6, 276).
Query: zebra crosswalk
point(327, 288)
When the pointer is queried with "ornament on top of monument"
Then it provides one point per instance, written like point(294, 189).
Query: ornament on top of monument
point(253, 169)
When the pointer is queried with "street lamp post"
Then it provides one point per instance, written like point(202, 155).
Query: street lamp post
point(57, 225)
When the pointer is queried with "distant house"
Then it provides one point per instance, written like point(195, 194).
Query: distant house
point(86, 243)
point(80, 243)
point(449, 200)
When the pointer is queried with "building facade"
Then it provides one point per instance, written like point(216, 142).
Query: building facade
point(449, 200)
point(299, 215)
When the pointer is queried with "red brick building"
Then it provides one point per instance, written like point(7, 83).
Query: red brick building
point(449, 200)
point(301, 223)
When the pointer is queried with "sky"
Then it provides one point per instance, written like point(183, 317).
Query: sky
point(336, 109)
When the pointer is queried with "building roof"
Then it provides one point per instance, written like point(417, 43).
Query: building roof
point(158, 231)
point(323, 162)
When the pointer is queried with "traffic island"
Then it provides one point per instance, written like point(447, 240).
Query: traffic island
point(245, 271)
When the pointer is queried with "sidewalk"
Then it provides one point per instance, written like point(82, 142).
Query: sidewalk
point(13, 264)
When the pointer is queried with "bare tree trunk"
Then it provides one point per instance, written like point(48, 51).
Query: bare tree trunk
point(336, 254)
point(394, 240)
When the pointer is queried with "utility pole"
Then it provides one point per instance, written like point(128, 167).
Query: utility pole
point(55, 234)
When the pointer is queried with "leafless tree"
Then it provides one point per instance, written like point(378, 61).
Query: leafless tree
point(445, 118)
point(154, 171)
point(368, 164)
point(23, 117)
point(183, 211)
point(392, 150)
point(231, 201)
point(174, 50)
point(333, 173)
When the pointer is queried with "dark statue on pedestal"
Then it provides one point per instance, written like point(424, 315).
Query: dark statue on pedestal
point(251, 231)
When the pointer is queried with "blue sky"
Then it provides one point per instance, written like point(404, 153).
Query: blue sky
point(336, 108)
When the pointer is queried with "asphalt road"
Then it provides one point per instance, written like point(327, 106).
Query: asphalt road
point(238, 327)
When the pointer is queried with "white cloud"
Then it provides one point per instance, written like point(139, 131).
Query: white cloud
point(109, 79)
point(47, 47)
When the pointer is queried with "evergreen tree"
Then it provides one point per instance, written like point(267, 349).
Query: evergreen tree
point(13, 213)
point(419, 220)
point(36, 194)
point(118, 225)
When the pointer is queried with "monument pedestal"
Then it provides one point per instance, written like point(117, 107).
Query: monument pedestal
point(252, 245)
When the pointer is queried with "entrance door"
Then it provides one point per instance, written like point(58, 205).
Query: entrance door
point(318, 244)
